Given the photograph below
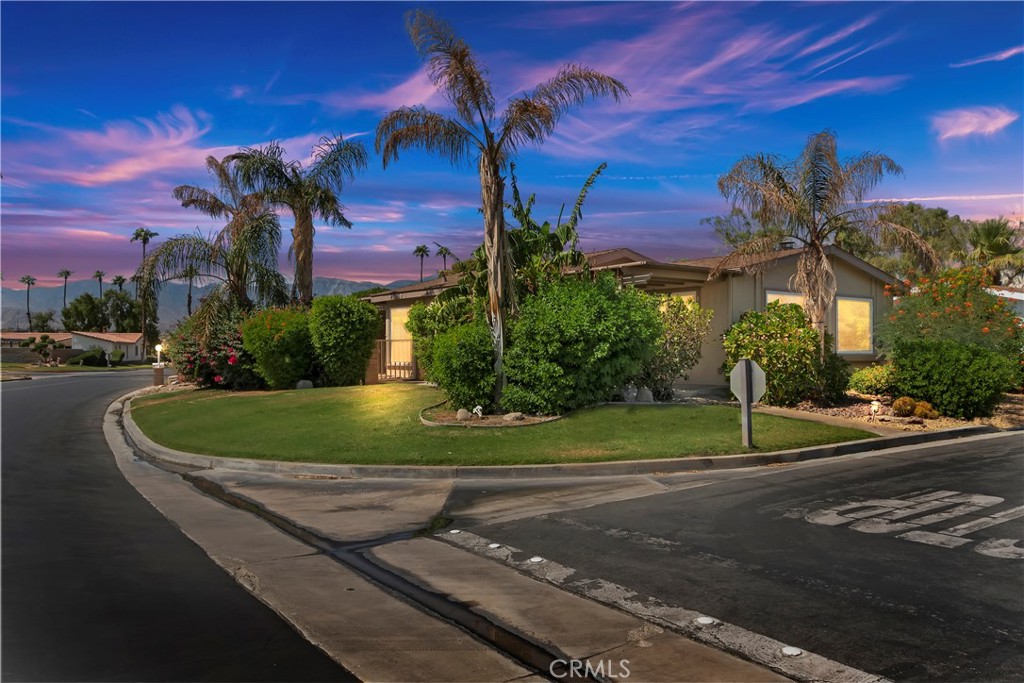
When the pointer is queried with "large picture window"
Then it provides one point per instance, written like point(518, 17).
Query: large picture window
point(853, 323)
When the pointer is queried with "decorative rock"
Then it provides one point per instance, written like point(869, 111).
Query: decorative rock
point(463, 415)
point(901, 420)
point(629, 393)
point(304, 384)
point(644, 395)
point(513, 417)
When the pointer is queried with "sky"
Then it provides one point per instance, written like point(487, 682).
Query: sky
point(106, 107)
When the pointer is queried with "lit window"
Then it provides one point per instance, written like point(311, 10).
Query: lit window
point(853, 323)
point(690, 295)
point(785, 298)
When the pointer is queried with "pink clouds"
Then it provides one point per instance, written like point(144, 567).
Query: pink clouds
point(415, 89)
point(972, 121)
point(994, 57)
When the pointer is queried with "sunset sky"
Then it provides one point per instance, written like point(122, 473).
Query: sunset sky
point(108, 106)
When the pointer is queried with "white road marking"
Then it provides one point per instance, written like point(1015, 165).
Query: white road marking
point(1001, 547)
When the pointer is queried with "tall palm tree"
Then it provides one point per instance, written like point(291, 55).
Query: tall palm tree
point(813, 199)
point(479, 134)
point(996, 247)
point(98, 276)
point(119, 280)
point(422, 252)
point(307, 192)
point(28, 281)
point(242, 257)
point(65, 274)
point(190, 273)
point(143, 235)
point(444, 252)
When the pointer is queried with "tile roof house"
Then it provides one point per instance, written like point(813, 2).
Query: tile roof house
point(749, 284)
point(129, 342)
point(15, 338)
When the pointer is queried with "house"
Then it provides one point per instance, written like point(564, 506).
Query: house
point(13, 339)
point(129, 342)
point(861, 301)
point(1014, 297)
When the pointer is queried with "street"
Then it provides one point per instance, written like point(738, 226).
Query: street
point(97, 585)
point(842, 558)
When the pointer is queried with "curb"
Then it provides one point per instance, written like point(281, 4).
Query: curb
point(155, 451)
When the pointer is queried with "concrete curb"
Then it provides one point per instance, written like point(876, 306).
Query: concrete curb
point(603, 469)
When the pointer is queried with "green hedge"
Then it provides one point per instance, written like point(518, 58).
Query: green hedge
point(463, 365)
point(343, 330)
point(877, 380)
point(279, 341)
point(116, 356)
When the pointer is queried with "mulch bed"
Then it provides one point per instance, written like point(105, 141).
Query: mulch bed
point(1009, 413)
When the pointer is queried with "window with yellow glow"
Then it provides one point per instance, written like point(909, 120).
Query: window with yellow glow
point(853, 323)
point(690, 295)
point(785, 298)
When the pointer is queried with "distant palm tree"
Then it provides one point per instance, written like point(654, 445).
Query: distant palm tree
point(444, 252)
point(812, 199)
point(28, 281)
point(119, 280)
point(143, 235)
point(190, 273)
point(996, 247)
point(98, 276)
point(422, 252)
point(307, 192)
point(65, 273)
point(479, 134)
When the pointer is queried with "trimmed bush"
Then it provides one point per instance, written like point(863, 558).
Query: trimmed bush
point(787, 347)
point(116, 356)
point(95, 357)
point(686, 326)
point(463, 365)
point(279, 341)
point(576, 343)
point(903, 406)
point(214, 356)
point(343, 330)
point(959, 380)
point(426, 321)
point(876, 380)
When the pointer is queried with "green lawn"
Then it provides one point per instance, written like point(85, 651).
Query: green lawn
point(380, 425)
point(32, 368)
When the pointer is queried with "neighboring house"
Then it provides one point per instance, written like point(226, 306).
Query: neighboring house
point(15, 338)
point(129, 342)
point(861, 301)
point(1014, 296)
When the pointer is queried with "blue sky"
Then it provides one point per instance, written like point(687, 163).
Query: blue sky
point(106, 107)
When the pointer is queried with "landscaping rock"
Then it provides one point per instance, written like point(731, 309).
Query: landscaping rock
point(644, 395)
point(900, 420)
point(513, 417)
point(463, 415)
point(629, 393)
point(304, 384)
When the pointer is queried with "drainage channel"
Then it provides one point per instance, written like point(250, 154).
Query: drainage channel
point(545, 661)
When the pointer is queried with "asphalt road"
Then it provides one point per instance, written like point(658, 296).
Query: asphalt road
point(96, 584)
point(761, 550)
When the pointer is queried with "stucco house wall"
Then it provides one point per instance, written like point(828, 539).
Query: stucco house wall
point(130, 343)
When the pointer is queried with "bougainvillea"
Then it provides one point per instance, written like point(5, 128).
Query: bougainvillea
point(214, 358)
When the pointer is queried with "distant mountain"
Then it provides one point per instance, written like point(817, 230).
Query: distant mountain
point(173, 299)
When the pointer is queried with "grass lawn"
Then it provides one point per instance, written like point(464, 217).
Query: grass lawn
point(32, 368)
point(380, 424)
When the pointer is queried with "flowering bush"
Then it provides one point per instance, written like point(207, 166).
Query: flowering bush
point(278, 339)
point(215, 359)
point(787, 347)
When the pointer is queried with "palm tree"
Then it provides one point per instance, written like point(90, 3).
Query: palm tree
point(813, 199)
point(28, 281)
point(98, 276)
point(65, 273)
point(306, 192)
point(444, 252)
point(242, 257)
point(143, 235)
point(189, 273)
point(423, 252)
point(996, 247)
point(119, 280)
point(479, 134)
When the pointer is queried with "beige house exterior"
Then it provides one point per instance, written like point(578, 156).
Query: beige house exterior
point(129, 342)
point(861, 301)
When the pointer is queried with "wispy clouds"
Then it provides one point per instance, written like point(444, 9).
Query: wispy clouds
point(958, 123)
point(994, 57)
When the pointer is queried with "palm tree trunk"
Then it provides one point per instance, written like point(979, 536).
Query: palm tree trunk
point(421, 269)
point(499, 299)
point(189, 304)
point(28, 306)
point(65, 294)
point(302, 239)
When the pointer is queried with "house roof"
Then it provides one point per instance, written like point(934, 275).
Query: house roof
point(712, 262)
point(114, 337)
point(417, 290)
point(1016, 293)
point(22, 336)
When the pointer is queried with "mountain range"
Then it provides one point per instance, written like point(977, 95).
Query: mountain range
point(172, 301)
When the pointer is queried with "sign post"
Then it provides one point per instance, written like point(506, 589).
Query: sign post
point(747, 382)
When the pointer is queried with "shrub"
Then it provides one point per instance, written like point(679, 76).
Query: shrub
point(463, 365)
point(343, 330)
point(576, 343)
point(903, 406)
point(95, 357)
point(116, 356)
point(278, 339)
point(213, 354)
point(924, 410)
point(426, 321)
point(685, 327)
point(875, 379)
point(786, 346)
point(959, 380)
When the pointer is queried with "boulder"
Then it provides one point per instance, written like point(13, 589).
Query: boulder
point(644, 395)
point(463, 415)
point(304, 384)
point(513, 417)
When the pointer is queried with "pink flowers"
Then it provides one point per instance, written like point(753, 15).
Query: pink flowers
point(232, 360)
point(218, 379)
